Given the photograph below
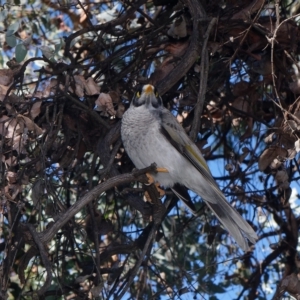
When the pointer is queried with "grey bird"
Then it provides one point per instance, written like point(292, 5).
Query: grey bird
point(151, 134)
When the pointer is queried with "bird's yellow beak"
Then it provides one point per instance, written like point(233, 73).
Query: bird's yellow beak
point(148, 89)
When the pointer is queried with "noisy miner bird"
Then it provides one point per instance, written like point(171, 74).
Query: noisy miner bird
point(151, 134)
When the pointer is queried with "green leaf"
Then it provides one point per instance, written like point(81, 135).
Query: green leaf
point(47, 51)
point(58, 46)
point(11, 40)
point(21, 52)
point(13, 28)
point(45, 22)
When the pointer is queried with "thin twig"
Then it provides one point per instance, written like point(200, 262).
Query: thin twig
point(139, 262)
point(272, 42)
point(36, 237)
point(203, 82)
point(246, 34)
point(190, 55)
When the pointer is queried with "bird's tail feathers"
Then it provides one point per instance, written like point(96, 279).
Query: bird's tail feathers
point(233, 222)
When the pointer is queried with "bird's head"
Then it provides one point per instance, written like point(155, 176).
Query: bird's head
point(148, 96)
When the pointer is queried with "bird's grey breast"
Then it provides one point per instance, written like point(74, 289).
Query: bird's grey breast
point(140, 127)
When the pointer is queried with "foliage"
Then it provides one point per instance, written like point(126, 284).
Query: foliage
point(74, 221)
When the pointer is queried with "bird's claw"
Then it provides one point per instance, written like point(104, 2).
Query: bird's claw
point(160, 191)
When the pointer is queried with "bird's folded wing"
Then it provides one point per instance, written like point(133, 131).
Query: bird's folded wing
point(174, 132)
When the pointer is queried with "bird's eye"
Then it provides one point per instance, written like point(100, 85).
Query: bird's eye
point(156, 93)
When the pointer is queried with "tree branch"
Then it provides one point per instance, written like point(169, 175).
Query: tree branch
point(49, 233)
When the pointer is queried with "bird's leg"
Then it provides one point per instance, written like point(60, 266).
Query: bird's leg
point(157, 185)
point(160, 191)
point(150, 179)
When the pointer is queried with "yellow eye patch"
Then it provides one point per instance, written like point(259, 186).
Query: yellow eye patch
point(138, 94)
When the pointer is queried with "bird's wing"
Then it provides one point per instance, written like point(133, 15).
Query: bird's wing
point(227, 215)
point(174, 132)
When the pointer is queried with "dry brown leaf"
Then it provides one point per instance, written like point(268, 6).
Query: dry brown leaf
point(6, 76)
point(37, 94)
point(105, 103)
point(177, 49)
point(80, 84)
point(291, 153)
point(214, 111)
point(22, 120)
point(269, 155)
point(162, 71)
point(11, 161)
point(3, 125)
point(258, 198)
point(92, 87)
point(297, 146)
point(288, 140)
point(35, 109)
point(236, 122)
point(3, 91)
point(291, 284)
point(120, 110)
point(18, 143)
point(115, 97)
point(269, 138)
point(262, 66)
point(241, 104)
point(38, 192)
point(11, 126)
point(240, 88)
point(50, 88)
point(281, 176)
point(12, 191)
point(11, 177)
point(276, 164)
point(83, 15)
point(70, 122)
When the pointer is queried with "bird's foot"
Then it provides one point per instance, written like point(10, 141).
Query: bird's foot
point(160, 191)
point(150, 179)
